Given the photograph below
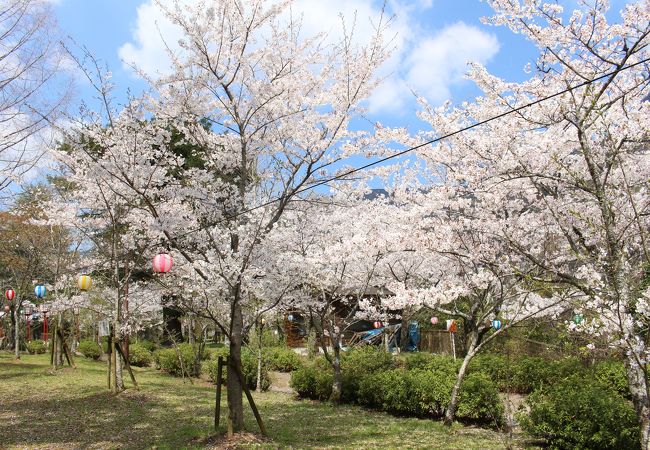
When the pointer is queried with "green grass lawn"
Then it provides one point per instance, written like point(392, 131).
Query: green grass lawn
point(72, 408)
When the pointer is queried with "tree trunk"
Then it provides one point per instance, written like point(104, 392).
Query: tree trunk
point(404, 334)
point(450, 414)
point(259, 369)
point(58, 346)
point(119, 379)
point(639, 389)
point(234, 384)
point(337, 380)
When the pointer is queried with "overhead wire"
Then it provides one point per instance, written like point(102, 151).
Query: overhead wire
point(411, 149)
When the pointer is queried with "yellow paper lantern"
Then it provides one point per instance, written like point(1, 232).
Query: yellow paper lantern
point(85, 282)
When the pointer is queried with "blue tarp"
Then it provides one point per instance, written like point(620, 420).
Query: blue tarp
point(414, 337)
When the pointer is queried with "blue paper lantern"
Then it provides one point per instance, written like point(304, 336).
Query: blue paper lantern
point(496, 324)
point(40, 291)
point(290, 317)
point(578, 318)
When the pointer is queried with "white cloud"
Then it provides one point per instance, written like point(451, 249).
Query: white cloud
point(438, 62)
point(429, 64)
point(152, 33)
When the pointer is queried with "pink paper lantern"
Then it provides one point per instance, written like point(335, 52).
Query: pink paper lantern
point(7, 308)
point(162, 263)
point(10, 294)
point(377, 324)
point(434, 320)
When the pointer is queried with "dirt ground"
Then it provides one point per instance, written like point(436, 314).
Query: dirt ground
point(280, 382)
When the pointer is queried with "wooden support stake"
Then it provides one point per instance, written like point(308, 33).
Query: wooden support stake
point(217, 406)
point(251, 401)
point(118, 345)
point(113, 367)
point(110, 359)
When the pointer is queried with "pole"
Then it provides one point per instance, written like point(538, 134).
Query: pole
point(29, 329)
point(256, 413)
point(17, 331)
point(453, 345)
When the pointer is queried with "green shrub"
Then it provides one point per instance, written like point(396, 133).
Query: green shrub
point(577, 413)
point(36, 347)
point(530, 373)
point(524, 374)
point(432, 390)
point(249, 368)
point(179, 360)
point(494, 366)
point(480, 401)
point(428, 361)
point(427, 392)
point(310, 382)
point(358, 363)
point(89, 348)
point(282, 359)
point(139, 355)
point(395, 391)
point(147, 344)
point(612, 374)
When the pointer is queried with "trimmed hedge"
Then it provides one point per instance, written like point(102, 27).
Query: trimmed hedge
point(524, 375)
point(420, 384)
point(311, 382)
point(147, 344)
point(281, 359)
point(179, 359)
point(480, 401)
point(89, 348)
point(427, 393)
point(139, 355)
point(422, 387)
point(36, 347)
point(575, 413)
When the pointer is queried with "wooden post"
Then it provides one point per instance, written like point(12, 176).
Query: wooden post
point(113, 367)
point(126, 362)
point(251, 401)
point(217, 406)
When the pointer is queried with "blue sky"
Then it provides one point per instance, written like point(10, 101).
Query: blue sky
point(435, 38)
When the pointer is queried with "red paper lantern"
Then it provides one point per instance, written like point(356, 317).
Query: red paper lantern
point(434, 320)
point(10, 294)
point(377, 324)
point(162, 263)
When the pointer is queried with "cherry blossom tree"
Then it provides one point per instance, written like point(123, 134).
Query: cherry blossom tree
point(333, 248)
point(562, 185)
point(252, 112)
point(450, 263)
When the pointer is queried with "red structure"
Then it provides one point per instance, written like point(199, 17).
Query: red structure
point(45, 325)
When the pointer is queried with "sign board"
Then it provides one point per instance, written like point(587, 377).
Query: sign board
point(104, 327)
point(451, 326)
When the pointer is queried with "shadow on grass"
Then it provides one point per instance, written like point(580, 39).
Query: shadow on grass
point(124, 421)
point(73, 409)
